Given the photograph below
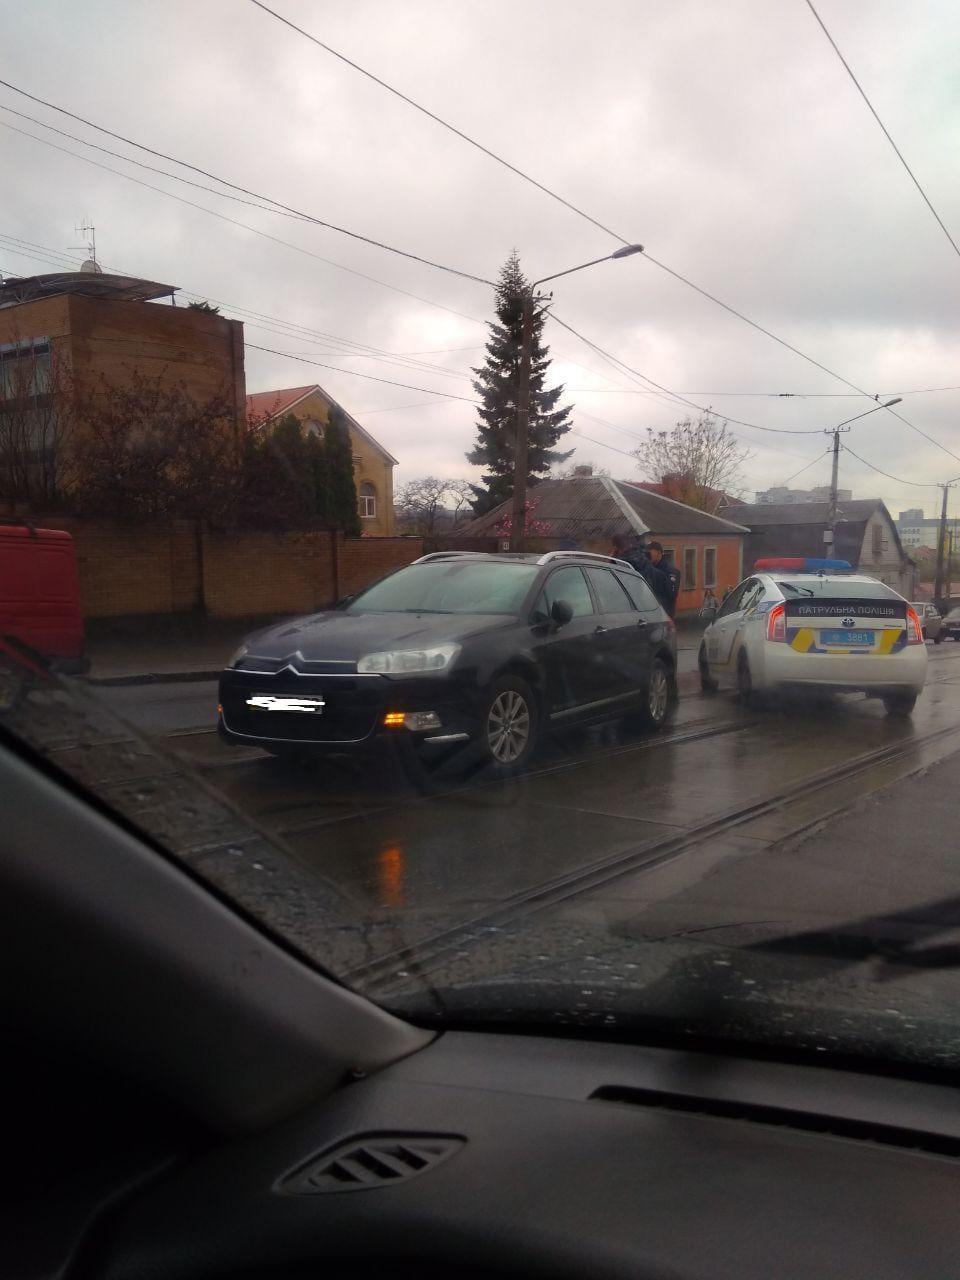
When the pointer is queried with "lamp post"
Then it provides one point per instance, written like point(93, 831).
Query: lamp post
point(523, 392)
point(835, 432)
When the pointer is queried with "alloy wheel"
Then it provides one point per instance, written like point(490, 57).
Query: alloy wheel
point(508, 726)
point(658, 695)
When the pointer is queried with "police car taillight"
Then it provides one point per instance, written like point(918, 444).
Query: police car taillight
point(914, 629)
point(777, 623)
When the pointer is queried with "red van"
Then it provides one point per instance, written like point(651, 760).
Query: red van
point(40, 594)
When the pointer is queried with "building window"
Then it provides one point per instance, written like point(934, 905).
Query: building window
point(368, 501)
point(24, 369)
point(669, 555)
point(877, 533)
point(313, 428)
point(689, 568)
point(709, 566)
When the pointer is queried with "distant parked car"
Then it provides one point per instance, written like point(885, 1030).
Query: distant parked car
point(951, 625)
point(930, 621)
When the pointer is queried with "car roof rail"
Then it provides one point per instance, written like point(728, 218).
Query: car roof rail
point(446, 555)
point(584, 555)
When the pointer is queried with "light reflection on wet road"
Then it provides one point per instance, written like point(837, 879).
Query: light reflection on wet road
point(595, 795)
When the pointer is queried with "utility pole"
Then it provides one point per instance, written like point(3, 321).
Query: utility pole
point(834, 476)
point(829, 536)
point(523, 428)
point(941, 547)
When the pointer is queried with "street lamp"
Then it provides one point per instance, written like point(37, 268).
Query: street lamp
point(835, 432)
point(523, 391)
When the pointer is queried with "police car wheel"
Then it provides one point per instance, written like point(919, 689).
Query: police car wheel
point(900, 704)
point(745, 690)
point(707, 682)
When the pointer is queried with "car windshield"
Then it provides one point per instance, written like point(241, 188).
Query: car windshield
point(413, 420)
point(450, 587)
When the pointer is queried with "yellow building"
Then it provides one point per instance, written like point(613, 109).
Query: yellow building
point(373, 465)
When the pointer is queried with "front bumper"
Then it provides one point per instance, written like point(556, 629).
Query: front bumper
point(354, 709)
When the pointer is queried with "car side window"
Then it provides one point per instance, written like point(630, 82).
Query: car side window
point(567, 584)
point(638, 591)
point(732, 602)
point(752, 592)
point(613, 598)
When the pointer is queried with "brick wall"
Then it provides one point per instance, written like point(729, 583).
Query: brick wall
point(168, 569)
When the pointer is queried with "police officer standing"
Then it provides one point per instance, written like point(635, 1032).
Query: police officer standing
point(665, 582)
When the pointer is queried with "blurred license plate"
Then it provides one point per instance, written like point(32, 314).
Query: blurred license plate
point(846, 637)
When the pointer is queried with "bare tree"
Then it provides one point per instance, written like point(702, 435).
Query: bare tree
point(698, 463)
point(460, 495)
point(37, 423)
point(421, 505)
point(148, 450)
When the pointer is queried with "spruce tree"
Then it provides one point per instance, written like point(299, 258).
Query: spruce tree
point(341, 504)
point(497, 384)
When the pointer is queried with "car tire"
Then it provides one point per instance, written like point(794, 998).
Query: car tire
point(509, 726)
point(707, 682)
point(899, 704)
point(659, 698)
point(745, 690)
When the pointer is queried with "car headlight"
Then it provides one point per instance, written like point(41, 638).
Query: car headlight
point(239, 656)
point(395, 662)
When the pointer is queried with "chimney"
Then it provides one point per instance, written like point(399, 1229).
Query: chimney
point(585, 470)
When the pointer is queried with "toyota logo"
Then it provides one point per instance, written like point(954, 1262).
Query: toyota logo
point(848, 622)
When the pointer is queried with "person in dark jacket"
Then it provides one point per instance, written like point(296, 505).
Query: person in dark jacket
point(665, 581)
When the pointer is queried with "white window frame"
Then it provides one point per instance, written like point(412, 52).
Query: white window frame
point(684, 584)
point(707, 582)
point(368, 501)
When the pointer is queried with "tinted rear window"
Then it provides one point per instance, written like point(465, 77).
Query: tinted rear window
point(793, 588)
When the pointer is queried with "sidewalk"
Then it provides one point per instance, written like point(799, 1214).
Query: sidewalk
point(163, 651)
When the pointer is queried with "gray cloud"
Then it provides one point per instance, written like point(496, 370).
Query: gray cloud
point(726, 138)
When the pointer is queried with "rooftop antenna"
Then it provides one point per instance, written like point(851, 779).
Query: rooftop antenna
point(89, 232)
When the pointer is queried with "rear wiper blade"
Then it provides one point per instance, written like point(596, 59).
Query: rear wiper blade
point(788, 586)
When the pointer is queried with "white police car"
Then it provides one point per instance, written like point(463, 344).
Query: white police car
point(801, 623)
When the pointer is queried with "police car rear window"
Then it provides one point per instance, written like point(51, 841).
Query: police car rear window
point(811, 585)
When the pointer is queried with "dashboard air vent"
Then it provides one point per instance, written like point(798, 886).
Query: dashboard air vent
point(368, 1161)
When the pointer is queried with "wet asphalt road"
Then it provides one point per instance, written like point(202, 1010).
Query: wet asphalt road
point(608, 826)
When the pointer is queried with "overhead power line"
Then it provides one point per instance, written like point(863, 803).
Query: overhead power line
point(244, 226)
point(914, 484)
point(279, 206)
point(690, 284)
point(617, 363)
point(886, 132)
point(355, 373)
point(811, 463)
point(445, 124)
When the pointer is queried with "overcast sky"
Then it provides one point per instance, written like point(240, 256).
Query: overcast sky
point(724, 136)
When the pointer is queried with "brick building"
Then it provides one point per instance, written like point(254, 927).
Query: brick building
point(373, 465)
point(101, 330)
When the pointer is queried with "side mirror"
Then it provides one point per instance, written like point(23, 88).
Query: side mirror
point(561, 612)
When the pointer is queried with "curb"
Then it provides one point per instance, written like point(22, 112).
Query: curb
point(156, 677)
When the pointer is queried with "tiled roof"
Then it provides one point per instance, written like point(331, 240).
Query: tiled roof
point(271, 404)
point(665, 515)
point(596, 507)
point(757, 513)
point(268, 404)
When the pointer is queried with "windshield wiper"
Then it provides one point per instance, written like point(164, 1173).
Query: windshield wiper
point(789, 586)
